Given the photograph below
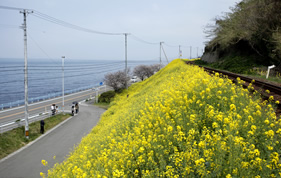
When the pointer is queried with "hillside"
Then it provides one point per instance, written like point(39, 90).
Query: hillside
point(250, 33)
point(181, 122)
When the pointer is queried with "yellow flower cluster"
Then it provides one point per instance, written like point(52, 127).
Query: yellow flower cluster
point(181, 122)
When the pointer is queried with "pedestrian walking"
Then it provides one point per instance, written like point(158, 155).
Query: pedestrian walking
point(76, 108)
point(53, 109)
point(42, 123)
point(72, 109)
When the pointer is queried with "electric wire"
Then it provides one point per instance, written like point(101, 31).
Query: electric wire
point(165, 54)
point(67, 76)
point(13, 8)
point(69, 25)
point(51, 78)
point(41, 48)
point(58, 68)
point(11, 66)
point(173, 46)
point(141, 40)
point(98, 71)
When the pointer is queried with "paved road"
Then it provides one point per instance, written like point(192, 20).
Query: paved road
point(14, 114)
point(59, 142)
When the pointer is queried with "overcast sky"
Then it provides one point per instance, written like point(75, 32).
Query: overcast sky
point(178, 22)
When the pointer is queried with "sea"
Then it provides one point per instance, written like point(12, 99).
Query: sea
point(45, 76)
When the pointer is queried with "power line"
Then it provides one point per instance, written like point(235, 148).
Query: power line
point(69, 25)
point(41, 48)
point(173, 46)
point(165, 54)
point(10, 66)
point(13, 8)
point(118, 68)
point(143, 41)
point(59, 22)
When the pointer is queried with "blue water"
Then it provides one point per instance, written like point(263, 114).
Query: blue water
point(45, 76)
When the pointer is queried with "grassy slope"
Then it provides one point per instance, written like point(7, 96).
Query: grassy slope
point(181, 121)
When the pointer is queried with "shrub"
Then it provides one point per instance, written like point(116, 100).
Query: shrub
point(106, 97)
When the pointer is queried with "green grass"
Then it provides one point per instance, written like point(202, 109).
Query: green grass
point(236, 64)
point(102, 105)
point(263, 78)
point(13, 140)
point(241, 65)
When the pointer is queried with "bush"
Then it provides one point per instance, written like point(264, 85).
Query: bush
point(106, 97)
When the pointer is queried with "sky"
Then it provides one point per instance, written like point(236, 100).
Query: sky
point(148, 22)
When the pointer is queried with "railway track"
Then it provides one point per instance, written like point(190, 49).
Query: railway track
point(258, 85)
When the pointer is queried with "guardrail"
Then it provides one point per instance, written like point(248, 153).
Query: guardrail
point(42, 98)
point(4, 127)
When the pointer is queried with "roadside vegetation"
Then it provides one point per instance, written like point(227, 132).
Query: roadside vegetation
point(181, 122)
point(252, 28)
point(247, 40)
point(244, 66)
point(13, 140)
point(105, 99)
point(146, 71)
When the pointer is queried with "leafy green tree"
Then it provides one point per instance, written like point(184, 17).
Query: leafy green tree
point(254, 23)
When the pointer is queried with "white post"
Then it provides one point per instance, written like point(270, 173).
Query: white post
point(268, 70)
point(97, 92)
point(126, 34)
point(63, 84)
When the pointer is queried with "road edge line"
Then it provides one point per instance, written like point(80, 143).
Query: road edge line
point(34, 141)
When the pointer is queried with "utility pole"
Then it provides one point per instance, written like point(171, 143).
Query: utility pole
point(126, 71)
point(197, 53)
point(190, 51)
point(25, 12)
point(97, 94)
point(160, 52)
point(63, 84)
point(180, 51)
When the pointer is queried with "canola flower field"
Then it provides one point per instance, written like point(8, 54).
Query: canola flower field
point(181, 122)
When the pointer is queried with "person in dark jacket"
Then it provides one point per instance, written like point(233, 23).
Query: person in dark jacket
point(72, 109)
point(76, 108)
point(42, 123)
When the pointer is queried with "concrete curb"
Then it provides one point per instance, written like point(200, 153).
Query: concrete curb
point(34, 141)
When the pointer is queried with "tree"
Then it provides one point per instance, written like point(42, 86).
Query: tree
point(156, 67)
point(117, 80)
point(143, 71)
point(255, 23)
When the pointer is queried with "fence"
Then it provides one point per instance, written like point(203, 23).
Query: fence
point(4, 127)
point(42, 98)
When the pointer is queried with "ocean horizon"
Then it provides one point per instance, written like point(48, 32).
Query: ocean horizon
point(45, 75)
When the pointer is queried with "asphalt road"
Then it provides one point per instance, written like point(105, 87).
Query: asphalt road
point(58, 142)
point(13, 114)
